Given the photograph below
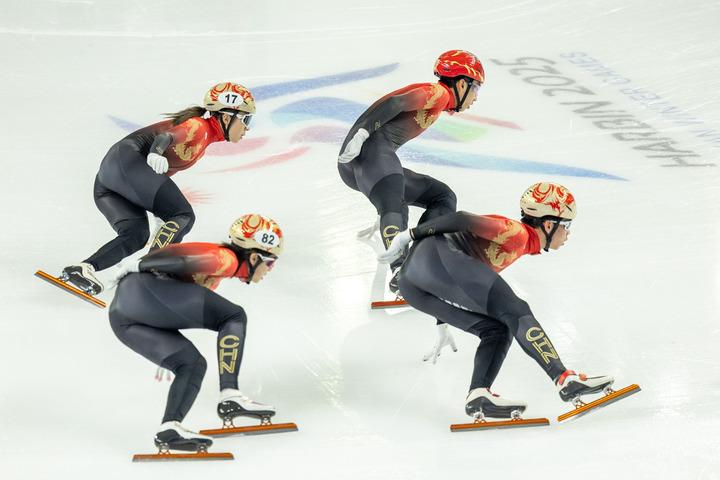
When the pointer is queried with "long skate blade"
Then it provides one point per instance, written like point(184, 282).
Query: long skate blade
point(388, 304)
point(70, 289)
point(163, 457)
point(366, 233)
point(601, 402)
point(522, 422)
point(252, 430)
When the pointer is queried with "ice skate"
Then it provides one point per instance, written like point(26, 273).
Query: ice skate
point(482, 403)
point(234, 404)
point(393, 287)
point(173, 436)
point(64, 283)
point(393, 283)
point(82, 276)
point(571, 386)
point(383, 304)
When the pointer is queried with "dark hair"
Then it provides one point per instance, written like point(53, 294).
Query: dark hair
point(450, 81)
point(241, 253)
point(447, 81)
point(186, 114)
point(532, 221)
point(537, 221)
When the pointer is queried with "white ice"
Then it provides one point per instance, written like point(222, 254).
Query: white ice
point(634, 293)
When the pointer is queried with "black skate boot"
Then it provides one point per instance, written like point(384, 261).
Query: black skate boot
point(481, 403)
point(393, 284)
point(173, 436)
point(83, 277)
point(571, 385)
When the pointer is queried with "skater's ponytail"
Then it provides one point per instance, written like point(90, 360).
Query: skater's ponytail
point(186, 114)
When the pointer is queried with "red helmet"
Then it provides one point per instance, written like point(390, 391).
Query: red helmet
point(456, 63)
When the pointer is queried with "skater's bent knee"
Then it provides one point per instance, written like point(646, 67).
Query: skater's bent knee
point(503, 303)
point(186, 360)
point(135, 232)
point(446, 200)
point(238, 318)
point(190, 219)
point(118, 324)
point(388, 194)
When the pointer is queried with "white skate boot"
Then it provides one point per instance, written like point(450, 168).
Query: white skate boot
point(481, 403)
point(83, 277)
point(572, 385)
point(173, 436)
point(234, 404)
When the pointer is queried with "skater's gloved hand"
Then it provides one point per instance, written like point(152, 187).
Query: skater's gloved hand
point(444, 339)
point(397, 247)
point(161, 373)
point(352, 149)
point(129, 266)
point(157, 162)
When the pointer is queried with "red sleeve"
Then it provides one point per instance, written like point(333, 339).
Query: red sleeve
point(418, 96)
point(188, 259)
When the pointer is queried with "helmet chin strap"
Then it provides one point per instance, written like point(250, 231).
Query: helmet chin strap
point(243, 256)
point(226, 130)
point(549, 236)
point(252, 267)
point(460, 101)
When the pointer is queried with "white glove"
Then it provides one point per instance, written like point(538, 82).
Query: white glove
point(352, 149)
point(132, 266)
point(160, 372)
point(399, 242)
point(444, 339)
point(157, 162)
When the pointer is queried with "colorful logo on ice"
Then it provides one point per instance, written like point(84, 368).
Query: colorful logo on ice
point(319, 119)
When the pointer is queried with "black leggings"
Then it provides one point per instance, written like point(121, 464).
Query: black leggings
point(378, 174)
point(147, 313)
point(464, 292)
point(125, 189)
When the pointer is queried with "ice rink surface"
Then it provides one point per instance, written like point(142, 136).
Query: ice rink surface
point(615, 99)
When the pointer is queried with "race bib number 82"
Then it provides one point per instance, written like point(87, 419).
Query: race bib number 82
point(267, 238)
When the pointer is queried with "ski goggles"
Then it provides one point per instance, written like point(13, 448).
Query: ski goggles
point(267, 260)
point(245, 119)
point(564, 223)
